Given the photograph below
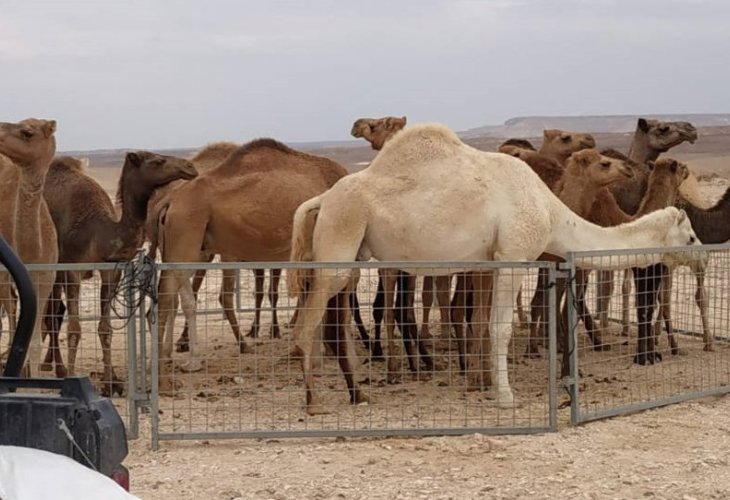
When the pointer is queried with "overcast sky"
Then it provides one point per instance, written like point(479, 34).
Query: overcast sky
point(178, 73)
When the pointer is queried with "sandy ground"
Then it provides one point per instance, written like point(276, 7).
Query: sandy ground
point(678, 452)
point(674, 452)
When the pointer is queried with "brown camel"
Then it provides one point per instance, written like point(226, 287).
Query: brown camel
point(25, 221)
point(586, 172)
point(243, 210)
point(90, 230)
point(664, 183)
point(377, 130)
point(651, 138)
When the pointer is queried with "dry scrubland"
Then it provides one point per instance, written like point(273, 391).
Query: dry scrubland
point(675, 452)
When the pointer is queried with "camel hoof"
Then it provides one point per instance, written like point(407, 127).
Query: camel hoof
point(182, 345)
point(601, 347)
point(275, 332)
point(361, 399)
point(502, 399)
point(253, 332)
point(45, 367)
point(169, 386)
point(625, 332)
point(647, 358)
point(244, 348)
point(116, 386)
point(709, 348)
point(393, 378)
point(316, 409)
point(61, 371)
point(192, 365)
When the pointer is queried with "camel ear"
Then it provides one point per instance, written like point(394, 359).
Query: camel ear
point(134, 158)
point(49, 127)
point(682, 216)
point(674, 166)
point(550, 133)
point(405, 120)
point(643, 125)
point(650, 164)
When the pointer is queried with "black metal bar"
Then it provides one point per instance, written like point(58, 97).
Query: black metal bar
point(28, 306)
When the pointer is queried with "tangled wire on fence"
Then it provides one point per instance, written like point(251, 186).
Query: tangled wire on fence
point(136, 282)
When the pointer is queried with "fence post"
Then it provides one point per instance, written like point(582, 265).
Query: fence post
point(552, 351)
point(132, 397)
point(572, 346)
point(154, 362)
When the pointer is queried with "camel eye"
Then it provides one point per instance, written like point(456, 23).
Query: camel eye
point(605, 164)
point(663, 130)
point(565, 138)
point(691, 239)
point(26, 134)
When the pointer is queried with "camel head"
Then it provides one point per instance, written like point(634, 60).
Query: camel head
point(598, 169)
point(670, 172)
point(29, 142)
point(560, 144)
point(154, 170)
point(662, 136)
point(377, 130)
point(510, 146)
point(680, 231)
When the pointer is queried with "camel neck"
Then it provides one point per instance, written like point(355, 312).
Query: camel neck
point(27, 230)
point(659, 194)
point(577, 194)
point(573, 233)
point(640, 152)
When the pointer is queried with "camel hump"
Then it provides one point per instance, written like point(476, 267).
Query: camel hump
point(423, 141)
point(70, 163)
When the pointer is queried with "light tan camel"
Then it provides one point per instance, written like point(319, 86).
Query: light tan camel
point(241, 209)
point(25, 221)
point(377, 131)
point(90, 230)
point(478, 206)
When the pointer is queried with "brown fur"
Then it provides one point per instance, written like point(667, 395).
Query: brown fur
point(516, 143)
point(560, 144)
point(25, 221)
point(377, 130)
point(90, 230)
point(247, 217)
point(549, 170)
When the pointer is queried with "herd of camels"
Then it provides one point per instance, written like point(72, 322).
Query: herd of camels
point(426, 196)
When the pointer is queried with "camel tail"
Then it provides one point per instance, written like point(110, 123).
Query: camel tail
point(157, 232)
point(305, 219)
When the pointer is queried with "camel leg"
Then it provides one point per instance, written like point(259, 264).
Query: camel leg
point(594, 333)
point(378, 313)
point(52, 321)
point(43, 282)
point(393, 364)
point(8, 300)
point(325, 284)
point(458, 309)
point(72, 286)
point(625, 307)
point(427, 297)
point(259, 299)
point(189, 306)
point(167, 309)
point(664, 312)
point(603, 300)
point(335, 335)
point(647, 282)
point(702, 304)
point(443, 293)
point(406, 319)
point(182, 343)
point(538, 313)
point(228, 286)
point(521, 314)
point(111, 384)
point(475, 345)
point(274, 278)
point(355, 308)
point(507, 283)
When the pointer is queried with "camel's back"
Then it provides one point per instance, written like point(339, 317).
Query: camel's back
point(272, 158)
point(212, 155)
point(73, 196)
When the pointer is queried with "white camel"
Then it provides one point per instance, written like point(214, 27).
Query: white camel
point(428, 197)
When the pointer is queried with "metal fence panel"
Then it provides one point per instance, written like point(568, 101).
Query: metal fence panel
point(260, 392)
point(632, 367)
point(83, 314)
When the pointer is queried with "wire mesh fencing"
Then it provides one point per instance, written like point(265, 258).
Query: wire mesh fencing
point(659, 334)
point(83, 320)
point(378, 352)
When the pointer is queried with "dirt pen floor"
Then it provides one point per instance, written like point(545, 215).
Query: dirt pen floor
point(681, 451)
